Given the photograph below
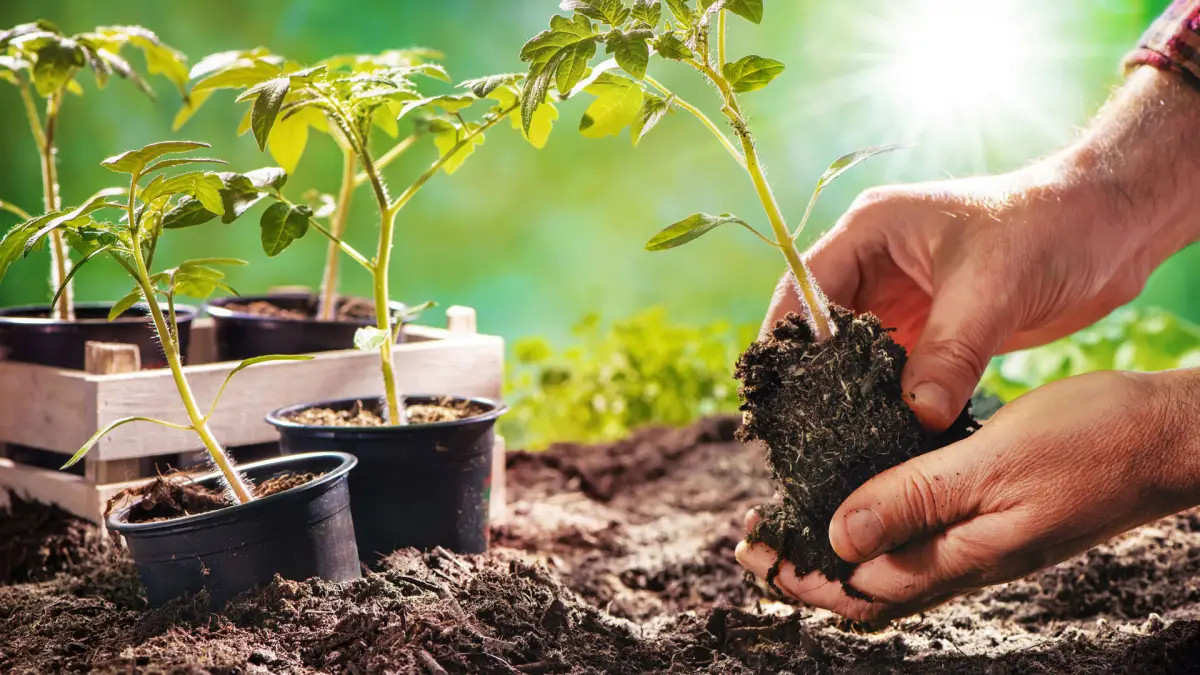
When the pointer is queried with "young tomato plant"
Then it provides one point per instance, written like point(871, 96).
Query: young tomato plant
point(43, 63)
point(628, 96)
point(349, 97)
point(130, 237)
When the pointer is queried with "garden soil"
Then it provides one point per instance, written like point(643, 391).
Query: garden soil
point(613, 559)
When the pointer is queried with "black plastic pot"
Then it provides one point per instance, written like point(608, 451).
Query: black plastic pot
point(241, 335)
point(29, 336)
point(300, 533)
point(419, 485)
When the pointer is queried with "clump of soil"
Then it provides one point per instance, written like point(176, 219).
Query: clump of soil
point(363, 414)
point(176, 496)
point(39, 541)
point(348, 310)
point(832, 415)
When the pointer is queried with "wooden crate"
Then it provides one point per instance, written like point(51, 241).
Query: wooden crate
point(58, 410)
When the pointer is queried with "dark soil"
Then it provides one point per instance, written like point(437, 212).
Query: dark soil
point(832, 415)
point(349, 309)
point(614, 559)
point(176, 496)
point(367, 414)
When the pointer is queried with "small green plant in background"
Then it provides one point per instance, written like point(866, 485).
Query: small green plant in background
point(130, 237)
point(627, 96)
point(1144, 340)
point(641, 370)
point(42, 63)
point(350, 97)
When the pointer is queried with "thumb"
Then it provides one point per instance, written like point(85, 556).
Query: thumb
point(920, 497)
point(960, 336)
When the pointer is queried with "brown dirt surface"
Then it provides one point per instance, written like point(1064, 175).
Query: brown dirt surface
point(349, 309)
point(176, 496)
point(38, 541)
point(617, 559)
point(832, 415)
point(366, 414)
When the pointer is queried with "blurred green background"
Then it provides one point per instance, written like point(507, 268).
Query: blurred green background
point(536, 239)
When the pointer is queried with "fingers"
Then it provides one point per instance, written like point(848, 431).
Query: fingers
point(961, 335)
point(919, 498)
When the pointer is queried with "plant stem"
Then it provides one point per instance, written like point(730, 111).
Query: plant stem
point(342, 245)
point(60, 261)
point(383, 319)
point(327, 304)
point(819, 318)
point(15, 210)
point(721, 39)
point(241, 491)
point(699, 114)
point(388, 157)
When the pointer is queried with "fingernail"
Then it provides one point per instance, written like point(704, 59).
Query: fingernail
point(932, 397)
point(865, 530)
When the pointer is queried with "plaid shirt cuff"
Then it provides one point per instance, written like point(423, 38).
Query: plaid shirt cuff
point(1172, 42)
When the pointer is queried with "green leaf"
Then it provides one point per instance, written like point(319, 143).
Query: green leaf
point(484, 86)
point(618, 102)
point(134, 161)
point(847, 162)
point(631, 51)
point(268, 98)
point(670, 47)
point(204, 187)
point(412, 312)
point(560, 54)
point(450, 103)
point(647, 12)
point(612, 12)
point(75, 269)
point(281, 225)
point(683, 13)
point(289, 138)
point(449, 143)
point(239, 193)
point(125, 304)
point(690, 229)
point(55, 60)
point(168, 163)
point(543, 120)
point(225, 262)
point(64, 218)
point(246, 364)
point(370, 338)
point(232, 70)
point(653, 111)
point(109, 428)
point(751, 73)
point(751, 10)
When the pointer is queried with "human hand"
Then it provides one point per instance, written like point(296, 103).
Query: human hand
point(966, 269)
point(1052, 474)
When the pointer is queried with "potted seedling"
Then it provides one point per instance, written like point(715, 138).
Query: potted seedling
point(43, 64)
point(425, 460)
point(818, 451)
point(236, 528)
point(299, 322)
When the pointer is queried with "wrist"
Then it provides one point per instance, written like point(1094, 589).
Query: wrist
point(1140, 164)
point(1174, 415)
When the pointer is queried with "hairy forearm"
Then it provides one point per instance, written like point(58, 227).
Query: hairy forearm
point(1141, 159)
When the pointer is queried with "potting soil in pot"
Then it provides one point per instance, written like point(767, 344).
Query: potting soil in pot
point(364, 415)
point(168, 497)
point(348, 309)
point(616, 559)
point(832, 415)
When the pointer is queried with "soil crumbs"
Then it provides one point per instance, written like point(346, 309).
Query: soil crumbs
point(349, 310)
point(613, 559)
point(367, 414)
point(175, 496)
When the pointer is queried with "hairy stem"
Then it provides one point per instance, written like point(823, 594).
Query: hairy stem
point(327, 304)
point(60, 261)
point(814, 300)
point(699, 114)
point(15, 210)
point(721, 39)
point(390, 156)
point(396, 413)
point(241, 490)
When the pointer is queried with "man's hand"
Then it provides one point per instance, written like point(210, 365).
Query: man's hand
point(970, 268)
point(1052, 474)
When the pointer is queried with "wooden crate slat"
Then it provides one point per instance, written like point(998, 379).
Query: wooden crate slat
point(70, 492)
point(471, 365)
point(40, 406)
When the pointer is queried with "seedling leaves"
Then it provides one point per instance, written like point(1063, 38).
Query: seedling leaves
point(631, 51)
point(246, 364)
point(751, 10)
point(125, 304)
point(847, 162)
point(751, 73)
point(110, 427)
point(612, 12)
point(270, 95)
point(670, 47)
point(560, 54)
point(648, 13)
point(690, 229)
point(135, 161)
point(281, 225)
point(370, 338)
point(618, 102)
point(652, 112)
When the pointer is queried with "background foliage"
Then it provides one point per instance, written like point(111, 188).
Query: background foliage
point(537, 239)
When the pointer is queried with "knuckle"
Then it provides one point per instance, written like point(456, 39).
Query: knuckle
point(921, 493)
point(962, 357)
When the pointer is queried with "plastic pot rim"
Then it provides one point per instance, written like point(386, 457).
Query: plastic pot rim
point(7, 314)
point(277, 418)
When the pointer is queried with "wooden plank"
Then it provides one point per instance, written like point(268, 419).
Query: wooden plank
point(46, 408)
point(461, 321)
point(202, 343)
point(465, 365)
point(70, 492)
point(107, 358)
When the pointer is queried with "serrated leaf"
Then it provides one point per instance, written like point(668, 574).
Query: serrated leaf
point(543, 120)
point(450, 103)
point(653, 111)
point(237, 74)
point(64, 218)
point(168, 163)
point(670, 47)
point(125, 304)
point(448, 145)
point(683, 13)
point(560, 55)
point(281, 225)
point(370, 338)
point(56, 58)
point(289, 138)
point(268, 101)
point(751, 10)
point(484, 86)
point(618, 101)
point(612, 12)
point(751, 73)
point(647, 12)
point(847, 162)
point(134, 161)
point(631, 51)
point(690, 229)
point(13, 243)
